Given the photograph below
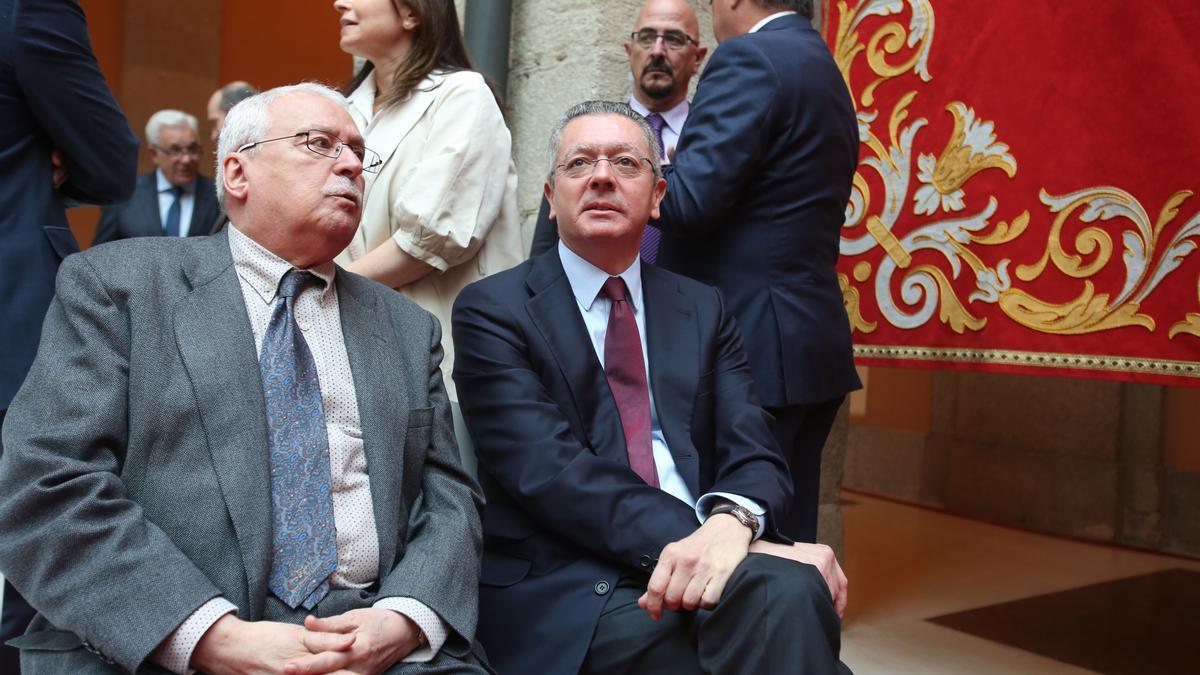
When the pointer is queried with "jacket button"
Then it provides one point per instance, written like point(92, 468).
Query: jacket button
point(644, 561)
point(601, 587)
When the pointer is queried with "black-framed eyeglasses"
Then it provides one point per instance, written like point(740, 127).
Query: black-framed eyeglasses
point(625, 166)
point(674, 39)
point(326, 144)
point(174, 151)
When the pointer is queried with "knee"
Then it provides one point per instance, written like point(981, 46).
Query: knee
point(788, 582)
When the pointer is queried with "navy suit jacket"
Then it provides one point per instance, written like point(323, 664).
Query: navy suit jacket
point(140, 216)
point(756, 199)
point(565, 515)
point(52, 95)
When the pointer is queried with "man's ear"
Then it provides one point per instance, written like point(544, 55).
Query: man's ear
point(660, 189)
point(233, 177)
point(701, 52)
point(548, 190)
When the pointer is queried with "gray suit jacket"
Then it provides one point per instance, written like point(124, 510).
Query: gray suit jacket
point(135, 485)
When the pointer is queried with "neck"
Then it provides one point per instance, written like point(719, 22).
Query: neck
point(386, 67)
point(659, 105)
point(612, 259)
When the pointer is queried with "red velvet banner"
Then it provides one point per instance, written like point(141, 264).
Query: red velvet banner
point(1024, 200)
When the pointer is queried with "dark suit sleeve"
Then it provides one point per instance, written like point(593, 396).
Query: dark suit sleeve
point(441, 556)
point(747, 458)
point(72, 540)
point(69, 98)
point(726, 133)
point(526, 445)
point(545, 232)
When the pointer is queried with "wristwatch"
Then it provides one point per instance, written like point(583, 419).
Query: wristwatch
point(743, 514)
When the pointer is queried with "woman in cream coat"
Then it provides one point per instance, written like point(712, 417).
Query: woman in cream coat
point(442, 211)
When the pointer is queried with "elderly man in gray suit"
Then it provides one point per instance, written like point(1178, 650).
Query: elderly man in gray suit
point(232, 456)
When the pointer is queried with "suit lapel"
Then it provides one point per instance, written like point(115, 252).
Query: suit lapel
point(673, 344)
point(215, 341)
point(555, 314)
point(383, 404)
point(204, 208)
point(386, 132)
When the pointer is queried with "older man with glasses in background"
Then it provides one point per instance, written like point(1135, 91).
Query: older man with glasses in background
point(664, 53)
point(233, 456)
point(174, 200)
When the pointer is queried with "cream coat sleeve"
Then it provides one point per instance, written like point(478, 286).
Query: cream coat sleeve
point(448, 195)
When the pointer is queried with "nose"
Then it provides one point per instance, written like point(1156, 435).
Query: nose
point(340, 5)
point(602, 174)
point(660, 46)
point(348, 164)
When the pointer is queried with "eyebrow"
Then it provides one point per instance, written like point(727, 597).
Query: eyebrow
point(358, 140)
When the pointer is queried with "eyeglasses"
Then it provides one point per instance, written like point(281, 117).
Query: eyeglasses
point(174, 151)
point(625, 166)
point(674, 39)
point(326, 144)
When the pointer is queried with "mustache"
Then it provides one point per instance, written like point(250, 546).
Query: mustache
point(658, 65)
point(343, 187)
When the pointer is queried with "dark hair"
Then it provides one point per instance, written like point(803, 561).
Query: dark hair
point(591, 108)
point(437, 45)
point(234, 93)
point(803, 7)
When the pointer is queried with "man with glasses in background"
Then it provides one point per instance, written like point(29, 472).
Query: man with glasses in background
point(664, 53)
point(174, 200)
point(633, 486)
point(231, 455)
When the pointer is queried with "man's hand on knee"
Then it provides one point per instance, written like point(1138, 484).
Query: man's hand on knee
point(817, 555)
point(692, 572)
point(234, 646)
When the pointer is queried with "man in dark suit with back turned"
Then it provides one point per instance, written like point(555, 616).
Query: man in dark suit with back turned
point(64, 142)
point(224, 437)
point(174, 200)
point(632, 481)
point(756, 200)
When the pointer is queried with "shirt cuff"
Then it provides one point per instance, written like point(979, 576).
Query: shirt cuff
point(705, 504)
point(435, 629)
point(175, 653)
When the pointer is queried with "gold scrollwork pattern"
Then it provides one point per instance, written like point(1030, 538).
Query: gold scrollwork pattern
point(1094, 231)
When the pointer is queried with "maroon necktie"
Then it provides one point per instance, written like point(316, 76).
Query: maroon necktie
point(626, 373)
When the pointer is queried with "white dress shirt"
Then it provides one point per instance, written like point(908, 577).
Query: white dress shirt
point(586, 281)
point(768, 19)
point(187, 201)
point(673, 118)
point(318, 316)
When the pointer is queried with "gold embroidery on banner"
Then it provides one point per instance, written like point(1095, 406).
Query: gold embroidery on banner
point(1097, 362)
point(1088, 226)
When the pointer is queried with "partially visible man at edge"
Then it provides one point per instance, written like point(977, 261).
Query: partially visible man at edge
point(664, 53)
point(64, 142)
point(217, 482)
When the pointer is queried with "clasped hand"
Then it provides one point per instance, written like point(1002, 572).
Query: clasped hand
point(360, 641)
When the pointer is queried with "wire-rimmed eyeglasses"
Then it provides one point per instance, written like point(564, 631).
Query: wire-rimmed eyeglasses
point(625, 166)
point(326, 144)
point(674, 39)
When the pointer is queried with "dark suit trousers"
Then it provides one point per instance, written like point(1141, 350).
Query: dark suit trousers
point(801, 431)
point(775, 616)
point(17, 613)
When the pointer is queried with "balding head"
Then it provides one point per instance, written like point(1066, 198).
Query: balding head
point(663, 66)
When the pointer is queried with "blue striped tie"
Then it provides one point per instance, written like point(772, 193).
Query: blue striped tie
point(305, 541)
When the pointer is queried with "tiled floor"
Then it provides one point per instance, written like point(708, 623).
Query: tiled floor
point(908, 565)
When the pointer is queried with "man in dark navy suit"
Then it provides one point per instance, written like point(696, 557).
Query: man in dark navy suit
point(756, 200)
point(63, 142)
point(633, 484)
point(174, 200)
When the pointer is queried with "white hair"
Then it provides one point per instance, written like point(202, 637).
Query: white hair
point(168, 118)
point(249, 119)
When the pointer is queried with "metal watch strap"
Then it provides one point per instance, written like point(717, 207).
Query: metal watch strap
point(743, 514)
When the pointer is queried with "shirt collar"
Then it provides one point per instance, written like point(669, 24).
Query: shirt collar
point(767, 20)
point(164, 185)
point(675, 117)
point(586, 279)
point(362, 102)
point(262, 269)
